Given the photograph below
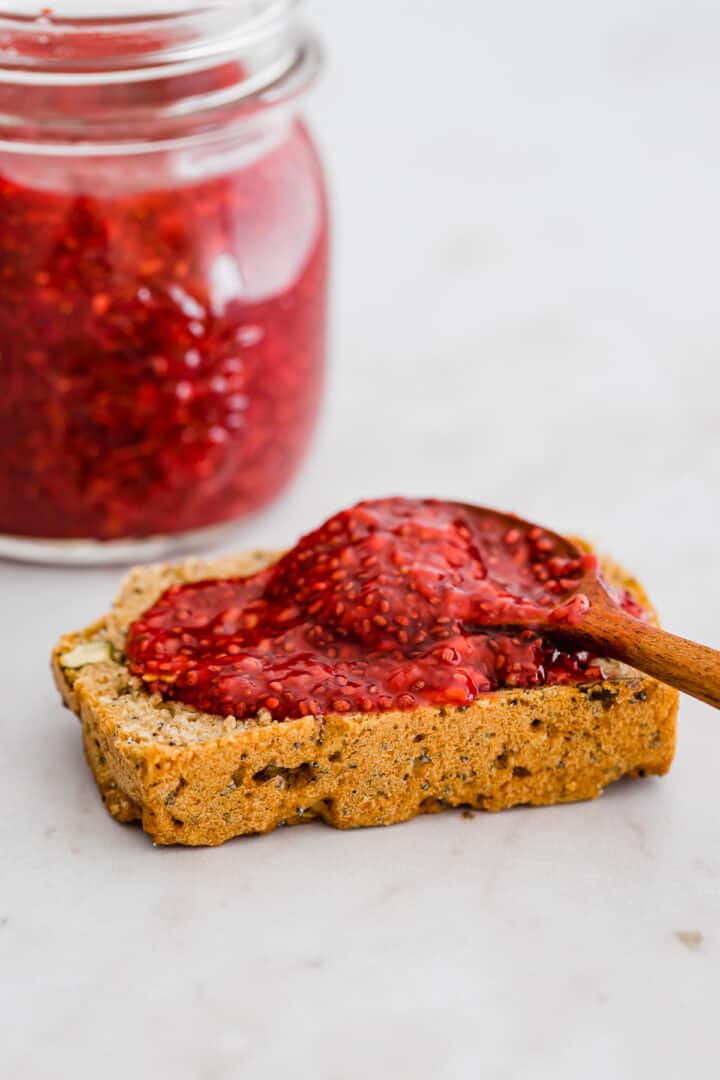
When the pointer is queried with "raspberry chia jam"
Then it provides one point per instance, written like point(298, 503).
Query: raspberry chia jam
point(163, 266)
point(390, 605)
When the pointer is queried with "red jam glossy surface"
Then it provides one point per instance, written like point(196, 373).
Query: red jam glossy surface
point(389, 605)
point(161, 343)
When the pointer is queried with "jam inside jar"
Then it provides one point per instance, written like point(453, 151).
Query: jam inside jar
point(163, 269)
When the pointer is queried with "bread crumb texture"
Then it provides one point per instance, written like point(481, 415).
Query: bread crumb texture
point(197, 779)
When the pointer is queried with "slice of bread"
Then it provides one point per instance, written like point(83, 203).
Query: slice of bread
point(193, 778)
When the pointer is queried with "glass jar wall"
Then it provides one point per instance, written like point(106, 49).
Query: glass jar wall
point(163, 266)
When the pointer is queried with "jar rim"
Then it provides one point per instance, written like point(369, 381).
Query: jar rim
point(266, 57)
point(76, 49)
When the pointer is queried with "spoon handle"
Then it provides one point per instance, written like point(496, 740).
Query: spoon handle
point(684, 664)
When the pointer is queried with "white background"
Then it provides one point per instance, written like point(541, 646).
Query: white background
point(526, 315)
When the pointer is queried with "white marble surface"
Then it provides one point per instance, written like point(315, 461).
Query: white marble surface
point(526, 315)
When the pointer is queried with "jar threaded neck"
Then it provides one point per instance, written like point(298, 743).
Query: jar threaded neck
point(155, 75)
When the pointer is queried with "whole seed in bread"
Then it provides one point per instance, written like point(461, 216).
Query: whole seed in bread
point(196, 777)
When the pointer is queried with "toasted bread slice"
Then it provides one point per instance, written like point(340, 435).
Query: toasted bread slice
point(195, 778)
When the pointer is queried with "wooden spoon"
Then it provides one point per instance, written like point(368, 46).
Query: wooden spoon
point(588, 614)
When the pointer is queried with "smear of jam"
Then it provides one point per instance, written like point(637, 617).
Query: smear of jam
point(161, 339)
point(392, 604)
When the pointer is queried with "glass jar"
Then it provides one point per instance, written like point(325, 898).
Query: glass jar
point(163, 266)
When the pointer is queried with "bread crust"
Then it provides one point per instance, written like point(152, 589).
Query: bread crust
point(191, 778)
